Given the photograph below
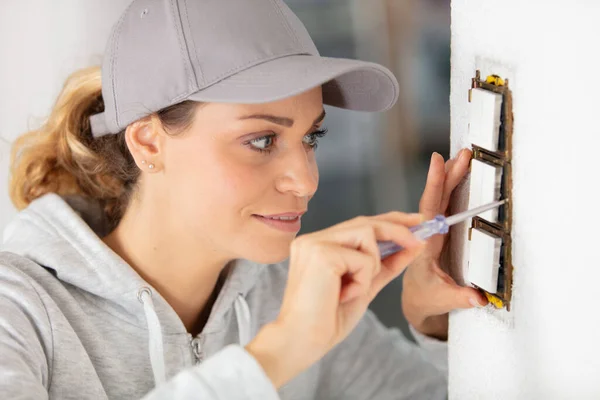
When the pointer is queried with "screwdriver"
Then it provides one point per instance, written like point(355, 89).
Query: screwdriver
point(437, 225)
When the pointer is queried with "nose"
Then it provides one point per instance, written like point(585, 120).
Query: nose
point(300, 174)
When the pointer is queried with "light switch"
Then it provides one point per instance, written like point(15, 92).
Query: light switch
point(484, 260)
point(484, 118)
point(486, 180)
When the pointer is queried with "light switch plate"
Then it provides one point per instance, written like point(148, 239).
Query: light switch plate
point(484, 118)
point(488, 249)
point(484, 260)
point(484, 187)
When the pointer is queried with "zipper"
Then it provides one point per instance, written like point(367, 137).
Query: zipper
point(196, 346)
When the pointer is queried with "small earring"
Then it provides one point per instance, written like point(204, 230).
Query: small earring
point(143, 161)
point(151, 166)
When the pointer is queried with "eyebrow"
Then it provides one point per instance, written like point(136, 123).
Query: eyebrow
point(283, 121)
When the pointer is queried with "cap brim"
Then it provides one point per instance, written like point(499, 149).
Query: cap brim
point(348, 84)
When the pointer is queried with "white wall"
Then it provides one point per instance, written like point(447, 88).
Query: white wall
point(548, 346)
point(41, 43)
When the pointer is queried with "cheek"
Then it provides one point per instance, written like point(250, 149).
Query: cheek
point(215, 184)
point(238, 185)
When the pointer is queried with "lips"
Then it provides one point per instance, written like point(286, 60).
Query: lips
point(287, 222)
point(289, 215)
point(282, 218)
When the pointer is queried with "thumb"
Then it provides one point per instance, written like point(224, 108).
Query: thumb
point(465, 297)
point(456, 296)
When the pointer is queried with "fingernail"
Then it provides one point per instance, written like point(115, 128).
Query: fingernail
point(419, 215)
point(475, 303)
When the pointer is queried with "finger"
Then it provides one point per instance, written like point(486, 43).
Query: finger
point(461, 297)
point(401, 218)
point(454, 174)
point(359, 237)
point(363, 236)
point(392, 267)
point(450, 163)
point(349, 270)
point(434, 187)
point(395, 264)
point(407, 219)
point(394, 227)
point(451, 295)
point(367, 231)
point(359, 267)
point(369, 247)
point(342, 261)
point(443, 275)
point(397, 233)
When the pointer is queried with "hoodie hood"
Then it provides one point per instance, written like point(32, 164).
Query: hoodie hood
point(63, 235)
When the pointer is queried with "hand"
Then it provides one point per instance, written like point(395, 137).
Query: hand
point(429, 293)
point(334, 275)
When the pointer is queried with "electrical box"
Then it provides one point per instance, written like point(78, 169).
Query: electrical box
point(490, 266)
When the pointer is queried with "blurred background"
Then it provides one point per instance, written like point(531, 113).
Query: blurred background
point(369, 163)
point(374, 163)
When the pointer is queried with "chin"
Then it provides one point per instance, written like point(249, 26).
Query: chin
point(271, 253)
point(268, 258)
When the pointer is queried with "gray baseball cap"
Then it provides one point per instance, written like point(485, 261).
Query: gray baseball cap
point(163, 52)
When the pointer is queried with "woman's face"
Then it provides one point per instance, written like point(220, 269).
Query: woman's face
point(242, 176)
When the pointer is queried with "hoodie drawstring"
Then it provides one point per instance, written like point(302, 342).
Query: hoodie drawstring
point(242, 315)
point(155, 340)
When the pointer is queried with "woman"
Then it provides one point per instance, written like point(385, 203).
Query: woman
point(161, 202)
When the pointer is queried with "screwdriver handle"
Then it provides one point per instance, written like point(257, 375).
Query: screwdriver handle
point(422, 231)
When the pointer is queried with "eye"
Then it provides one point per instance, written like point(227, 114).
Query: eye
point(262, 144)
point(312, 139)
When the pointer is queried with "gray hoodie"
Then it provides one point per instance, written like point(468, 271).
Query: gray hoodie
point(77, 322)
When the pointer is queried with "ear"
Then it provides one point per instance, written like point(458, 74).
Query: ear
point(145, 140)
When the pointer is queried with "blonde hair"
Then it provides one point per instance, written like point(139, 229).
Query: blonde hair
point(63, 157)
